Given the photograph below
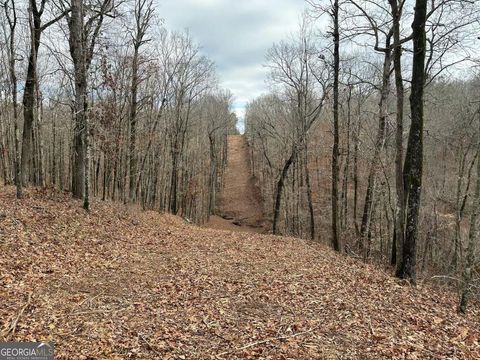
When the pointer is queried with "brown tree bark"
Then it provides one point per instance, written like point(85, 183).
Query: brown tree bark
point(413, 168)
point(471, 247)
point(336, 240)
point(77, 51)
point(279, 190)
point(399, 228)
point(309, 198)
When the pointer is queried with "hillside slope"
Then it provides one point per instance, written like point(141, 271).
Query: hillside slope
point(120, 283)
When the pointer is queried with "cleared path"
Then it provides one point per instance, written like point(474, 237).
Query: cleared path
point(239, 206)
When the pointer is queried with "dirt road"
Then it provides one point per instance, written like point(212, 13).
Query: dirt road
point(239, 206)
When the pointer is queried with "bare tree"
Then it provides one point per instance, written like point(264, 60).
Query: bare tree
point(84, 30)
point(192, 75)
point(300, 68)
point(11, 15)
point(143, 14)
point(217, 115)
point(336, 240)
point(413, 168)
point(396, 7)
point(35, 12)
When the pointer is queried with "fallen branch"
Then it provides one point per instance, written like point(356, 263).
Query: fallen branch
point(13, 325)
point(149, 346)
point(95, 311)
point(89, 299)
point(445, 277)
point(372, 332)
point(260, 342)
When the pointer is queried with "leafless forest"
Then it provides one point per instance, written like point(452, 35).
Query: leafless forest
point(370, 135)
point(134, 118)
point(368, 139)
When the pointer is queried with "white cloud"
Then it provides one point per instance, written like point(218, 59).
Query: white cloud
point(236, 35)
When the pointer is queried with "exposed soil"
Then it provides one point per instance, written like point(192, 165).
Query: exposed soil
point(239, 206)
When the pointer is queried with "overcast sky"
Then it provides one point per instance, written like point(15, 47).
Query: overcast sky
point(235, 34)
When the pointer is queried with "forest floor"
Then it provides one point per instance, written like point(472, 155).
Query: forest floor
point(239, 207)
point(121, 283)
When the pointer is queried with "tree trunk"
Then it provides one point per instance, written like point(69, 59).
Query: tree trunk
point(40, 153)
point(379, 143)
point(174, 183)
point(355, 171)
point(213, 175)
point(309, 198)
point(336, 241)
point(12, 21)
point(399, 226)
point(471, 247)
point(86, 195)
point(29, 93)
point(279, 190)
point(77, 51)
point(346, 169)
point(4, 153)
point(413, 168)
point(132, 158)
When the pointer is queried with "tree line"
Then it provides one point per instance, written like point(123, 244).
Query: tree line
point(383, 95)
point(99, 98)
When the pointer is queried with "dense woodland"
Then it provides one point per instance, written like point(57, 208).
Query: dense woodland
point(368, 139)
point(137, 118)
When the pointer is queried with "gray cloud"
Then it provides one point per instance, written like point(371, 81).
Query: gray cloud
point(235, 34)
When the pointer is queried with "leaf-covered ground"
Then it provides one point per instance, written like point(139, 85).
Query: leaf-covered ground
point(120, 283)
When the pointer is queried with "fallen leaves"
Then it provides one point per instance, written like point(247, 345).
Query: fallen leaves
point(122, 284)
